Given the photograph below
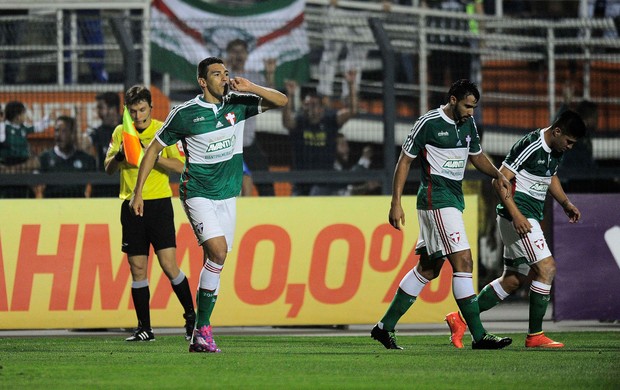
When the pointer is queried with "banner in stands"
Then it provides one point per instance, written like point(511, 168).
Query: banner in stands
point(184, 32)
point(296, 261)
point(587, 282)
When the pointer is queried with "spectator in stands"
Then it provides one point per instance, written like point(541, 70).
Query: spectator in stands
point(313, 131)
point(236, 58)
point(14, 148)
point(15, 155)
point(442, 67)
point(10, 35)
point(345, 162)
point(335, 39)
point(97, 140)
point(65, 157)
point(90, 32)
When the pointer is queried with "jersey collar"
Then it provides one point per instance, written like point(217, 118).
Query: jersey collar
point(542, 137)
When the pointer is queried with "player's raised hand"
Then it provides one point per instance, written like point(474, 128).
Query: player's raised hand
point(241, 84)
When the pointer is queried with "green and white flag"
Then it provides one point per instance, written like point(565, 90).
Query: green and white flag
point(184, 32)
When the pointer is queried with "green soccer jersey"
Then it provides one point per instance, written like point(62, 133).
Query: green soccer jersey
point(534, 163)
point(212, 137)
point(15, 149)
point(444, 149)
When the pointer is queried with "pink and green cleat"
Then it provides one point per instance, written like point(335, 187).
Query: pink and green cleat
point(202, 341)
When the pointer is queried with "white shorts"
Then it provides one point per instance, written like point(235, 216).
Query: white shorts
point(520, 251)
point(212, 218)
point(442, 232)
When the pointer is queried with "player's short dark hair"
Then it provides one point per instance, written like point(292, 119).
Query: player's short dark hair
point(70, 121)
point(110, 99)
point(204, 65)
point(136, 94)
point(571, 124)
point(237, 42)
point(462, 88)
point(13, 110)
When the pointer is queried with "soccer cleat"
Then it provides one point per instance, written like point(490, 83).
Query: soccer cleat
point(190, 323)
point(457, 328)
point(490, 341)
point(142, 334)
point(541, 341)
point(202, 341)
point(388, 339)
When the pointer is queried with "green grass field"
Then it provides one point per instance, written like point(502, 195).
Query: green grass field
point(590, 360)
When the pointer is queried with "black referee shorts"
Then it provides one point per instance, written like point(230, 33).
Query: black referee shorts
point(155, 227)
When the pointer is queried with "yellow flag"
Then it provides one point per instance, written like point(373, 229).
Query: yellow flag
point(131, 141)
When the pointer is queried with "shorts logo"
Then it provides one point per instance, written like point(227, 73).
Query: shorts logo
point(455, 237)
point(540, 244)
point(199, 227)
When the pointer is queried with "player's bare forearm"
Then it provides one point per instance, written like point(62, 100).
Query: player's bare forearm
point(271, 98)
point(396, 215)
point(556, 190)
point(147, 164)
point(500, 183)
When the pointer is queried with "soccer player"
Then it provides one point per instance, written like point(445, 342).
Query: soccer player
point(211, 128)
point(157, 226)
point(444, 138)
point(532, 165)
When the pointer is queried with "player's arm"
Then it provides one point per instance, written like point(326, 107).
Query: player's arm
point(556, 190)
point(115, 155)
point(344, 114)
point(148, 162)
point(271, 98)
point(396, 216)
point(484, 165)
point(288, 113)
point(170, 162)
point(519, 222)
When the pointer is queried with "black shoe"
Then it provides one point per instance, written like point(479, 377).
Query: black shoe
point(190, 322)
point(142, 335)
point(490, 341)
point(388, 339)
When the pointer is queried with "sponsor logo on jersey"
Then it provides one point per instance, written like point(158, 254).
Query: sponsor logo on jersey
point(221, 144)
point(541, 162)
point(199, 119)
point(454, 164)
point(539, 187)
point(443, 134)
point(219, 124)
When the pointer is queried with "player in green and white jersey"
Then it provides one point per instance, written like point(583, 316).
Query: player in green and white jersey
point(532, 165)
point(444, 138)
point(210, 126)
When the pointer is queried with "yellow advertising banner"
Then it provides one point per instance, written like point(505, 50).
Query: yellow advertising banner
point(295, 261)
